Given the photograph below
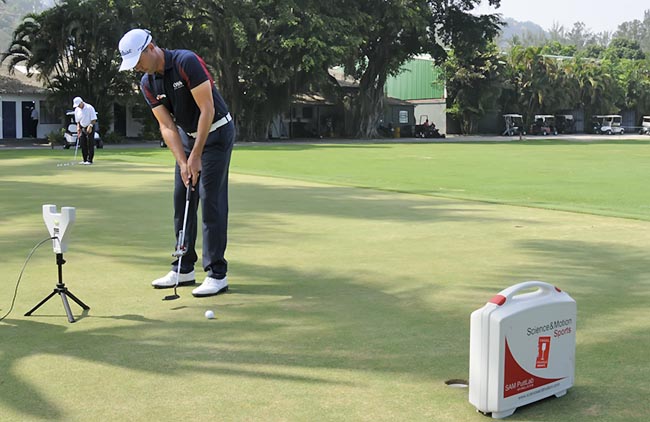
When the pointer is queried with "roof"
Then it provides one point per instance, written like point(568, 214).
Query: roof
point(19, 83)
point(311, 98)
point(397, 101)
point(344, 81)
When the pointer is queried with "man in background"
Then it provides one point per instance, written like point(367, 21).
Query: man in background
point(86, 117)
point(34, 117)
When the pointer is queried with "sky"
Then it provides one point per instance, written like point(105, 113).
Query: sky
point(597, 15)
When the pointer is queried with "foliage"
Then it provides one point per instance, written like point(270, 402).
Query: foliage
point(11, 13)
point(474, 85)
point(634, 80)
point(539, 83)
point(112, 138)
point(71, 48)
point(269, 51)
point(534, 82)
point(395, 31)
point(623, 48)
point(56, 137)
point(637, 30)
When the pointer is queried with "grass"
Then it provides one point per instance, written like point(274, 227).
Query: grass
point(353, 269)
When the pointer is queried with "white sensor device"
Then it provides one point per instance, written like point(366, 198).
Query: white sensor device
point(59, 224)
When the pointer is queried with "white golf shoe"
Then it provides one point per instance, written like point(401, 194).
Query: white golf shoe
point(169, 280)
point(210, 287)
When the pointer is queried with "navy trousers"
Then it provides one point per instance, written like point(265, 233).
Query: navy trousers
point(87, 142)
point(212, 190)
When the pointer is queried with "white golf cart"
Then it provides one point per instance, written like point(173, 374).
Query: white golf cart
point(514, 125)
point(645, 126)
point(565, 123)
point(609, 124)
point(70, 135)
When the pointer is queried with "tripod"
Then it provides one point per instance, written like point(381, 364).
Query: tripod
point(62, 291)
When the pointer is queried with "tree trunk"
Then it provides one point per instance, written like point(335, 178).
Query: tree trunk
point(370, 103)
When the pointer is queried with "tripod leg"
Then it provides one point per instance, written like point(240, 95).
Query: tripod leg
point(79, 302)
point(66, 305)
point(41, 303)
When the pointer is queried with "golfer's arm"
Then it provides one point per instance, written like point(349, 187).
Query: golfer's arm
point(203, 97)
point(169, 133)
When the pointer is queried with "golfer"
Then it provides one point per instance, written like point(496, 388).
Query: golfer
point(183, 97)
point(85, 116)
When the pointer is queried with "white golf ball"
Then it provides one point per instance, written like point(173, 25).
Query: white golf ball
point(209, 314)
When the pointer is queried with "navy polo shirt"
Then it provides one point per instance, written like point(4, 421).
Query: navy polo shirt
point(184, 71)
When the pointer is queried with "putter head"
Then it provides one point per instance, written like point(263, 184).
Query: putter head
point(171, 297)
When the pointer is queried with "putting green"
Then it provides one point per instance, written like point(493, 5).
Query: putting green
point(346, 303)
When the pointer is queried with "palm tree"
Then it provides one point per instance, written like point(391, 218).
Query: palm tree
point(71, 48)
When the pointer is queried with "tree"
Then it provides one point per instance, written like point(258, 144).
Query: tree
point(71, 48)
point(395, 31)
point(11, 14)
point(474, 85)
point(623, 48)
point(261, 52)
point(636, 30)
point(268, 51)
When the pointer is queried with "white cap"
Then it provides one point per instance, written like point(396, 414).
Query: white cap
point(76, 102)
point(131, 46)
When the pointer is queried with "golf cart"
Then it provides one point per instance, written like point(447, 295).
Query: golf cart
point(645, 126)
point(70, 135)
point(427, 129)
point(565, 123)
point(544, 125)
point(514, 125)
point(608, 124)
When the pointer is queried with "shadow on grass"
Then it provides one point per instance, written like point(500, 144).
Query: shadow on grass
point(136, 212)
point(329, 322)
point(304, 321)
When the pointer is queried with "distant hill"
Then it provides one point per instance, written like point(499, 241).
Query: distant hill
point(12, 13)
point(527, 32)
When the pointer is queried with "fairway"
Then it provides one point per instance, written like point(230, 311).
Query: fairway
point(354, 268)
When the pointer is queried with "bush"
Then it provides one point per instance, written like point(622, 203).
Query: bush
point(112, 138)
point(56, 137)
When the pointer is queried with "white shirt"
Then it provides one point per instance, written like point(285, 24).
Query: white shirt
point(85, 116)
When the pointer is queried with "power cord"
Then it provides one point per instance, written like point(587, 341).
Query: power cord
point(21, 274)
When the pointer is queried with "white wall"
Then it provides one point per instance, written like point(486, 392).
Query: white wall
point(42, 130)
point(434, 110)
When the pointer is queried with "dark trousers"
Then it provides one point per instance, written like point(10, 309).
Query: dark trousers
point(213, 192)
point(87, 142)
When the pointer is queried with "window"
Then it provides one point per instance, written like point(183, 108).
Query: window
point(46, 115)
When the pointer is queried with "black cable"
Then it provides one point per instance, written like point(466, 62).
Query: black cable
point(21, 275)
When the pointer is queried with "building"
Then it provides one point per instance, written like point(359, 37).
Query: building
point(19, 95)
point(420, 83)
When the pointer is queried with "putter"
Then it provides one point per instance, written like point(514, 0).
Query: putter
point(181, 248)
point(76, 147)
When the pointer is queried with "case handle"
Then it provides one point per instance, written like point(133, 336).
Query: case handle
point(511, 291)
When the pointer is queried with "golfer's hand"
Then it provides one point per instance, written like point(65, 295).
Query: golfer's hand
point(193, 168)
point(89, 129)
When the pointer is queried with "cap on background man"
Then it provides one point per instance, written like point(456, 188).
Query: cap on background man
point(76, 102)
point(131, 46)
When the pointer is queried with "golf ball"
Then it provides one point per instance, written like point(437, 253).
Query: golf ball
point(209, 314)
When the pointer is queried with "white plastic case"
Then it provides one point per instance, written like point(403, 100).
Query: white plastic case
point(522, 348)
